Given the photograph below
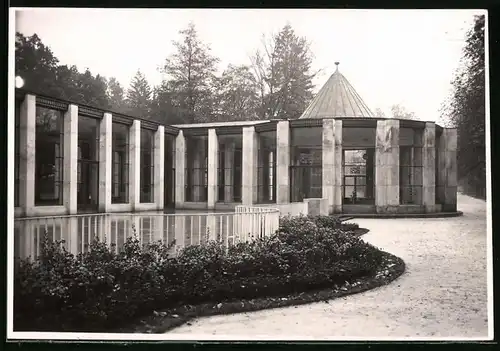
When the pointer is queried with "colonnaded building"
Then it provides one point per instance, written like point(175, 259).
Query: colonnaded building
point(336, 158)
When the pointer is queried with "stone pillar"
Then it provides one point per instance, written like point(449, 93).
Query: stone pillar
point(328, 180)
point(447, 177)
point(249, 166)
point(180, 169)
point(135, 164)
point(387, 166)
point(27, 161)
point(213, 162)
point(70, 178)
point(429, 167)
point(105, 162)
point(228, 171)
point(338, 170)
point(282, 162)
point(159, 167)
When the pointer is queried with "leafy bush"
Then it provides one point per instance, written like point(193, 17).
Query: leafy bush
point(100, 289)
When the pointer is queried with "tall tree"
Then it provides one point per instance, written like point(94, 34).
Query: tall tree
point(237, 94)
point(116, 95)
point(284, 76)
point(191, 72)
point(465, 110)
point(398, 111)
point(139, 96)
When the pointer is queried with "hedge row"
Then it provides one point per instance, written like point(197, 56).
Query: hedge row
point(99, 289)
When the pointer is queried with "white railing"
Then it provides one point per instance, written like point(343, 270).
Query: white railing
point(78, 231)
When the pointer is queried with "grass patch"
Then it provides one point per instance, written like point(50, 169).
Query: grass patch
point(146, 289)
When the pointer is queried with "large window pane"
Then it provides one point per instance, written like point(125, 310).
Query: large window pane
point(169, 187)
point(229, 168)
point(120, 163)
point(266, 178)
point(49, 157)
point(306, 163)
point(147, 165)
point(88, 163)
point(410, 166)
point(196, 169)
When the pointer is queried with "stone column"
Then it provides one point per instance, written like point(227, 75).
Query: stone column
point(70, 177)
point(249, 166)
point(387, 166)
point(27, 161)
point(429, 167)
point(338, 170)
point(105, 162)
point(282, 162)
point(180, 169)
point(135, 164)
point(159, 167)
point(228, 171)
point(447, 177)
point(213, 162)
point(328, 180)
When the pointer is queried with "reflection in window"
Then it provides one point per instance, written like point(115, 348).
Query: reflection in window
point(306, 163)
point(410, 166)
point(196, 169)
point(49, 157)
point(147, 165)
point(17, 151)
point(120, 163)
point(266, 164)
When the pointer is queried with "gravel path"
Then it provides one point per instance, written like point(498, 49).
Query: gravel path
point(443, 292)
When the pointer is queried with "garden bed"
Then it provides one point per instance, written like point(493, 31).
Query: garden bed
point(143, 289)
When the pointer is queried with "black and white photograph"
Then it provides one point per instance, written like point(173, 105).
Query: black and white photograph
point(249, 174)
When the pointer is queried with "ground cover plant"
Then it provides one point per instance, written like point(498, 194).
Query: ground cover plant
point(101, 290)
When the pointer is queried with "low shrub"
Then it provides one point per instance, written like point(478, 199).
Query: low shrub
point(100, 289)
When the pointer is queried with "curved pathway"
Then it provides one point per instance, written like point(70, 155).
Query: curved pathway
point(443, 292)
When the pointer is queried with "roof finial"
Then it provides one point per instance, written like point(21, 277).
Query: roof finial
point(337, 64)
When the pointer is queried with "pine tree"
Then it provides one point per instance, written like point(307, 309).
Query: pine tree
point(191, 76)
point(139, 96)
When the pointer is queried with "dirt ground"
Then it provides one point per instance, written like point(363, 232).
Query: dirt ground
point(442, 294)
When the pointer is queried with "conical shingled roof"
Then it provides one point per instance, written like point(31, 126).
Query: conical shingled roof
point(337, 98)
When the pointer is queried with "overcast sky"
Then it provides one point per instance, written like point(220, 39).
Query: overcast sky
point(389, 56)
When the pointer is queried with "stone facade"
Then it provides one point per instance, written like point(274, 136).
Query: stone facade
point(439, 168)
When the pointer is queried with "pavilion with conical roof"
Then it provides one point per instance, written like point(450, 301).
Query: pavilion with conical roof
point(337, 98)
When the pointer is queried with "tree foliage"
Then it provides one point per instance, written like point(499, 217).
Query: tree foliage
point(276, 83)
point(282, 70)
point(191, 73)
point(236, 94)
point(39, 67)
point(400, 112)
point(139, 96)
point(465, 110)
